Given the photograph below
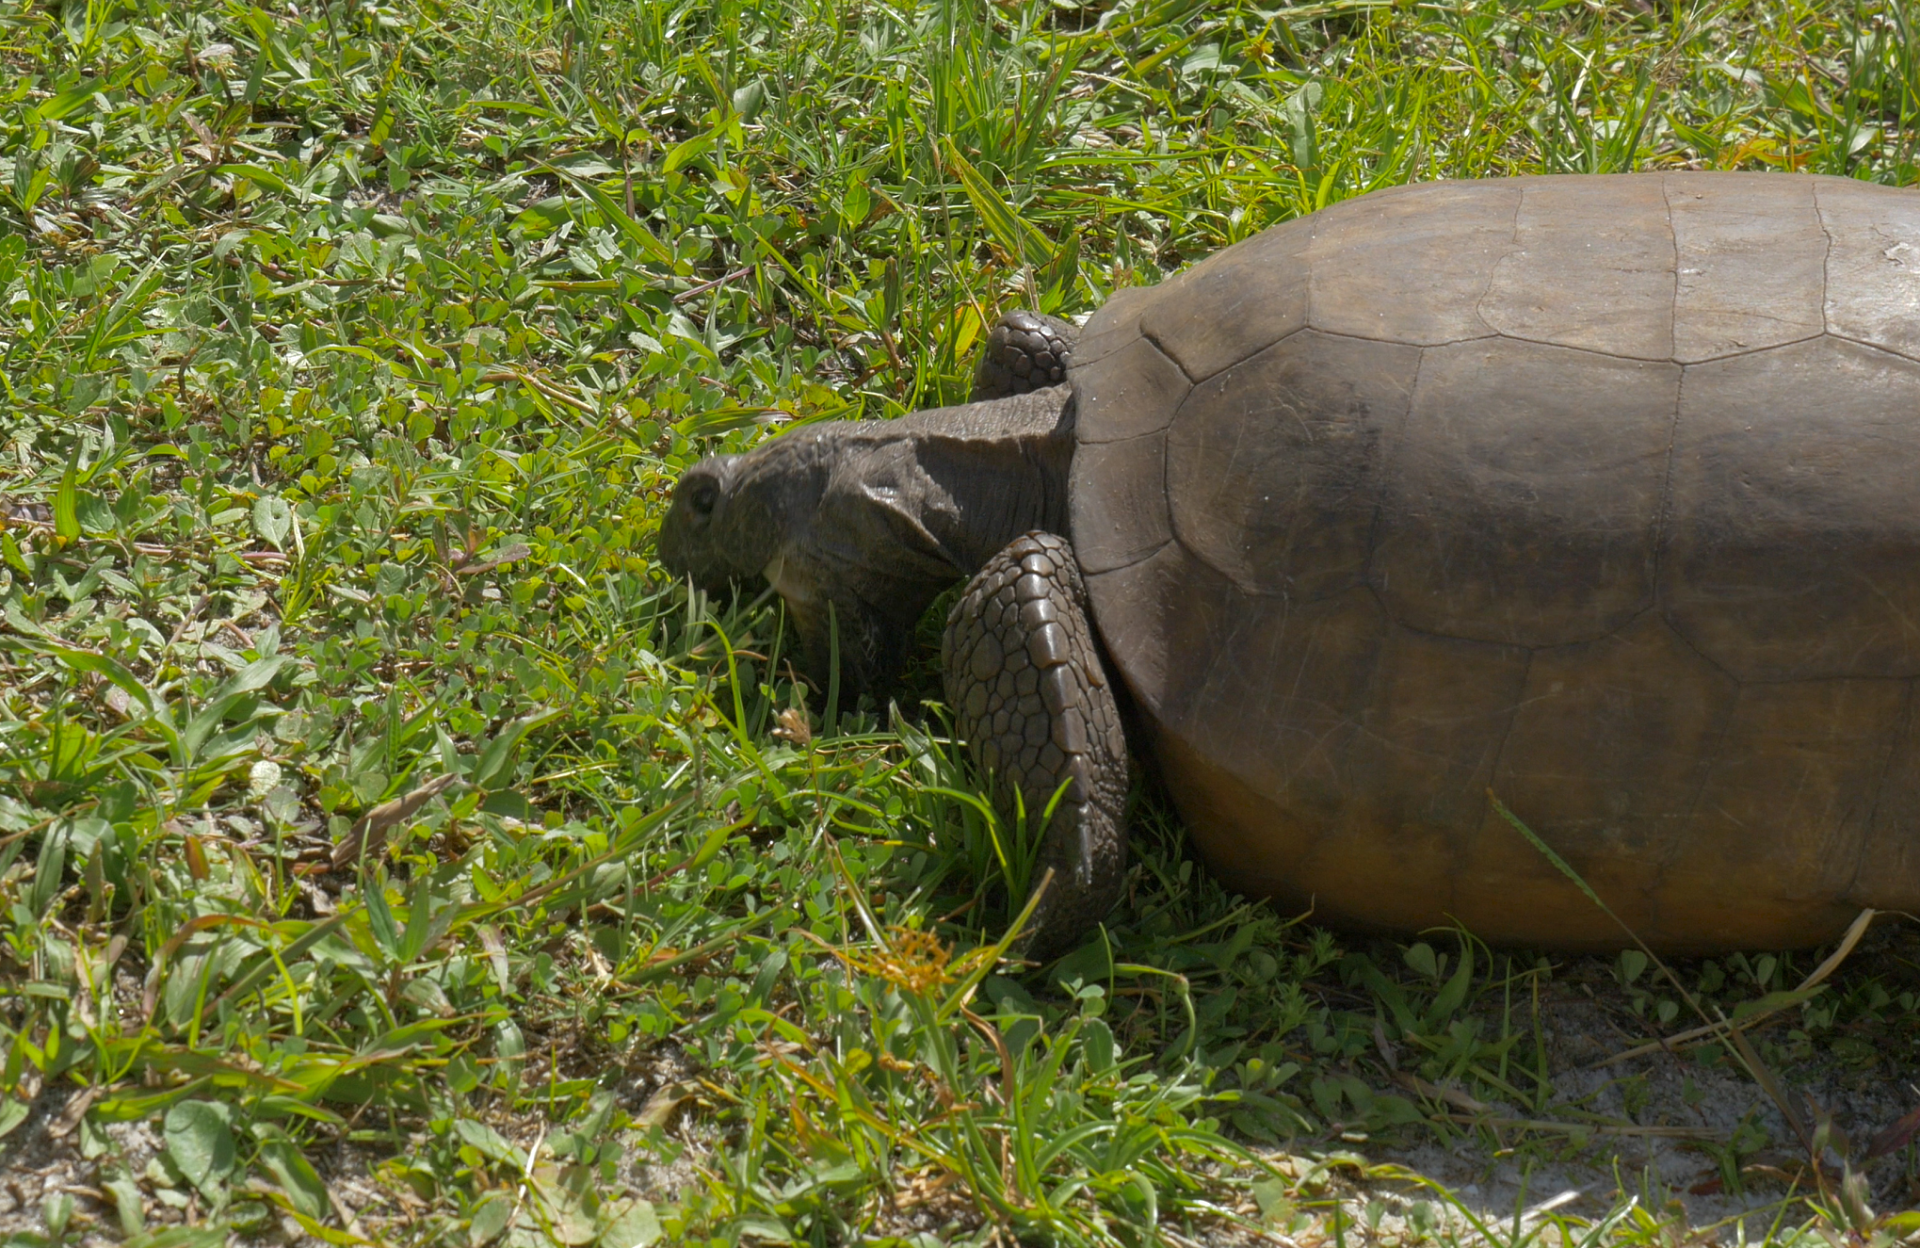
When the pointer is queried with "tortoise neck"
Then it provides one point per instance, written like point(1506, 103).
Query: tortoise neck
point(996, 470)
point(912, 505)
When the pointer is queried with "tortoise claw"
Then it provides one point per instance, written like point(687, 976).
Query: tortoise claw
point(1030, 697)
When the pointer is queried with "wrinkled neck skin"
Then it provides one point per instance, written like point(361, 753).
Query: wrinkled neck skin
point(890, 513)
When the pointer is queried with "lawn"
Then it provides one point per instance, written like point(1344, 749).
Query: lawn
point(391, 852)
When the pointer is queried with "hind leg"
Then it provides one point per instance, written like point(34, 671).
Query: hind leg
point(1033, 703)
point(1025, 351)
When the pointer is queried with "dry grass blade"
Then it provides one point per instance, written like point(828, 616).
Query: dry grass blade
point(369, 833)
point(1895, 1136)
point(76, 1108)
point(1761, 1072)
point(1478, 1113)
point(1434, 1092)
point(1832, 963)
point(663, 1104)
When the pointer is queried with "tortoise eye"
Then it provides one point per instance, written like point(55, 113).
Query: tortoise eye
point(704, 496)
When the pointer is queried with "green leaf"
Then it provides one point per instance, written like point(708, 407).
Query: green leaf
point(14, 556)
point(854, 207)
point(1096, 1041)
point(489, 1218)
point(255, 675)
point(126, 1202)
point(489, 1143)
point(1389, 994)
point(1021, 240)
point(748, 100)
point(200, 1141)
point(56, 1211)
point(122, 323)
point(1454, 995)
point(66, 101)
point(131, 1106)
point(66, 505)
point(762, 1226)
point(272, 181)
point(289, 1167)
point(268, 963)
point(692, 149)
point(424, 925)
point(710, 846)
point(1276, 1206)
point(208, 719)
point(380, 918)
point(49, 870)
point(1056, 278)
point(634, 1225)
point(499, 752)
point(272, 520)
point(582, 1140)
point(510, 804)
point(181, 1237)
point(87, 661)
point(572, 1209)
point(636, 233)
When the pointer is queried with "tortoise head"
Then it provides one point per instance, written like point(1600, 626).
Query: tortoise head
point(733, 515)
point(796, 510)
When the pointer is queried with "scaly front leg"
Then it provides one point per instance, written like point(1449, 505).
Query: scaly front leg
point(1032, 701)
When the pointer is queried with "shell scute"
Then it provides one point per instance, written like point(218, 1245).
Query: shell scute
point(1518, 506)
point(1751, 268)
point(1612, 741)
point(1873, 267)
point(1118, 502)
point(1599, 492)
point(1132, 392)
point(1890, 862)
point(1591, 266)
point(1794, 542)
point(1437, 716)
point(1301, 672)
point(1235, 303)
point(1806, 758)
point(1274, 465)
point(1410, 267)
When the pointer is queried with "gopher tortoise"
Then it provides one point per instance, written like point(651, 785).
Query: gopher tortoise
point(1596, 495)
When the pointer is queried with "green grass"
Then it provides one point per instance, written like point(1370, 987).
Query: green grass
point(350, 350)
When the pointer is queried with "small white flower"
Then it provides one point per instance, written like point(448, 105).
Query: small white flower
point(262, 778)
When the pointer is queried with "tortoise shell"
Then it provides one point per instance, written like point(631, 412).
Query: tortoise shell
point(1597, 494)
